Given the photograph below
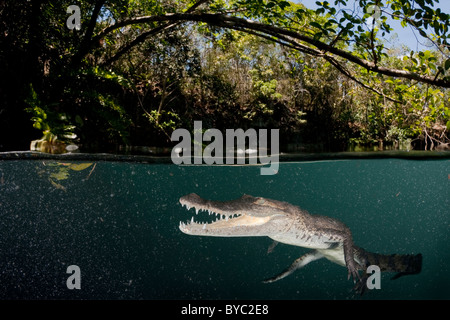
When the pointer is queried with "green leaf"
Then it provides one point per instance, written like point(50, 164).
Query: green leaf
point(316, 24)
point(284, 4)
point(447, 64)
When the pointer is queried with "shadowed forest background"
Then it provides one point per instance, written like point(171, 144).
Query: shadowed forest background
point(331, 79)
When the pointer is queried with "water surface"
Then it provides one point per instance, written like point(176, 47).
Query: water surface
point(118, 221)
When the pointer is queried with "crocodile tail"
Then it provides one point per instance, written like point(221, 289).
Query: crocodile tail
point(403, 264)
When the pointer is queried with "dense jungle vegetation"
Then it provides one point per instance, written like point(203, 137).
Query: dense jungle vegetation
point(133, 71)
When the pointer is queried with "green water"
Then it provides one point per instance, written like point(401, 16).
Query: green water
point(118, 222)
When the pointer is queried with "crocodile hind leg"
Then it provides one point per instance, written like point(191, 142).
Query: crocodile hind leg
point(350, 262)
point(297, 264)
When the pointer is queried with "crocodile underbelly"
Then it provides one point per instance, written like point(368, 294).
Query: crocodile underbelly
point(313, 241)
point(335, 255)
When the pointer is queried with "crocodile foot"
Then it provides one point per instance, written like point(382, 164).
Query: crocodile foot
point(353, 270)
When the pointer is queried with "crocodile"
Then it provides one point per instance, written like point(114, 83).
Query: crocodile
point(285, 223)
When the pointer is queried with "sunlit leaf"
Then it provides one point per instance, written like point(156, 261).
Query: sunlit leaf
point(79, 167)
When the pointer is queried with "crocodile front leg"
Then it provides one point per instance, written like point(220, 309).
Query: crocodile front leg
point(297, 264)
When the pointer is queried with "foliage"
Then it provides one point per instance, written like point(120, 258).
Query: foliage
point(53, 125)
point(137, 70)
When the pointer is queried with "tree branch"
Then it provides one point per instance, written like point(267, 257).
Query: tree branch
point(141, 38)
point(347, 73)
point(245, 25)
point(196, 5)
point(86, 43)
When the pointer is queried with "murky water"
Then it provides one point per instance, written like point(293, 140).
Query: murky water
point(118, 222)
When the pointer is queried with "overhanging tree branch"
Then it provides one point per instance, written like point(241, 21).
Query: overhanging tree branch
point(139, 39)
point(144, 36)
point(225, 21)
point(347, 73)
point(86, 43)
point(296, 46)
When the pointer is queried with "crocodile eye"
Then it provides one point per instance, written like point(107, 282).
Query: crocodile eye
point(260, 201)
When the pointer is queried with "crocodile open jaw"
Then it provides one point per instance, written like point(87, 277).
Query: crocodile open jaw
point(222, 221)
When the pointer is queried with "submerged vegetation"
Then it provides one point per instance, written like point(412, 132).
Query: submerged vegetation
point(135, 71)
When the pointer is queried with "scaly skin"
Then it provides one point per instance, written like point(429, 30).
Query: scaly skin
point(289, 224)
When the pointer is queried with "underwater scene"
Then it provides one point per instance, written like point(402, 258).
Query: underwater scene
point(116, 226)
